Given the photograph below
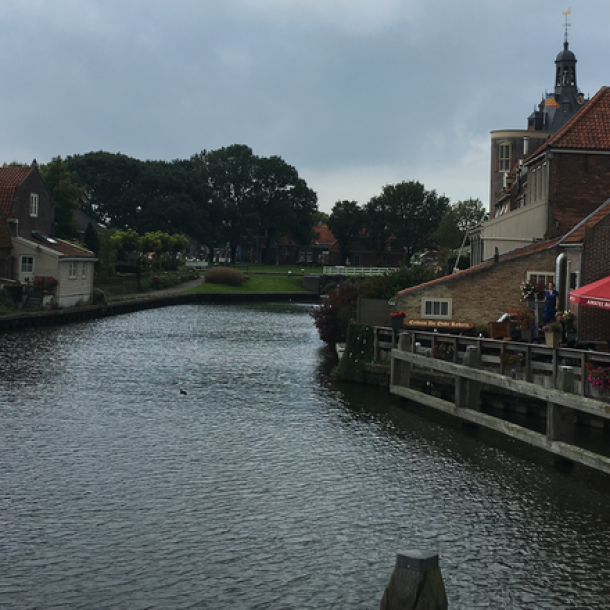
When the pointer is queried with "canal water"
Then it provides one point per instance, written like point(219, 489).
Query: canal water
point(266, 485)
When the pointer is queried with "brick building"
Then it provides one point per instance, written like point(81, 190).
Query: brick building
point(46, 268)
point(481, 294)
point(557, 186)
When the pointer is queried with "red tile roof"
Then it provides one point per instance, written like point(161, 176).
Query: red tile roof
point(10, 178)
point(588, 129)
point(538, 246)
point(325, 235)
point(63, 248)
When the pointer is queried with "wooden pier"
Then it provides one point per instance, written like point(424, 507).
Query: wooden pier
point(554, 376)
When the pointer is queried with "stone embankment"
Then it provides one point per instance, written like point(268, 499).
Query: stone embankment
point(130, 303)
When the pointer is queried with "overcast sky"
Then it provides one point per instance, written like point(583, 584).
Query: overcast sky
point(355, 94)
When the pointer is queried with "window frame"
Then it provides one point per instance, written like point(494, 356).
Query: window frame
point(448, 302)
point(34, 199)
point(72, 271)
point(30, 264)
point(504, 159)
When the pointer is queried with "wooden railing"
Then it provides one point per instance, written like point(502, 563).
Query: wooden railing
point(525, 361)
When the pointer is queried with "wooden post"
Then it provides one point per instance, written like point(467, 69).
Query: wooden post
point(400, 371)
point(560, 420)
point(467, 392)
point(416, 583)
point(376, 344)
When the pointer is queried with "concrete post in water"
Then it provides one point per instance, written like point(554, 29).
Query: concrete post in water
point(416, 583)
point(560, 420)
point(467, 392)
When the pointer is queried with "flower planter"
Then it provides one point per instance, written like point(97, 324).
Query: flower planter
point(527, 334)
point(398, 322)
point(552, 339)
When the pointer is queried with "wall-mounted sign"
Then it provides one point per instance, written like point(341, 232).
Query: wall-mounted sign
point(450, 324)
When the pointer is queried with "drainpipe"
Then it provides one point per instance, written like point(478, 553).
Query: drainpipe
point(561, 283)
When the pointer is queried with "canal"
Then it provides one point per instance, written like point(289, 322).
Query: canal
point(265, 485)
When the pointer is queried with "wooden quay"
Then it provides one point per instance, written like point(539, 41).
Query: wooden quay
point(558, 377)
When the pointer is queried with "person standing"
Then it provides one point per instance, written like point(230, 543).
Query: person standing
point(550, 303)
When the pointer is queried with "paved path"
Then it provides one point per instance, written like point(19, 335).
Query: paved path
point(154, 294)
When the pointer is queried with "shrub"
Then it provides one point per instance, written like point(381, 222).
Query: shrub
point(225, 275)
point(333, 316)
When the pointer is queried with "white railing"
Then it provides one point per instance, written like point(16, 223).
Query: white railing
point(197, 264)
point(341, 270)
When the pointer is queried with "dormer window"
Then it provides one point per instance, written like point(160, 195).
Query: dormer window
point(34, 204)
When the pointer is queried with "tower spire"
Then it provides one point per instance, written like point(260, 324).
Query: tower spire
point(565, 36)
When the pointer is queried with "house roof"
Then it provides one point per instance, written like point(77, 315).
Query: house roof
point(538, 246)
point(62, 248)
point(325, 235)
point(577, 234)
point(10, 178)
point(589, 129)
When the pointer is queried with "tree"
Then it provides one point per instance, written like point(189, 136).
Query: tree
point(457, 220)
point(413, 213)
point(345, 222)
point(231, 175)
point(66, 197)
point(91, 239)
point(378, 221)
point(284, 202)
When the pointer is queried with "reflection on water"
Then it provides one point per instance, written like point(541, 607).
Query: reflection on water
point(266, 485)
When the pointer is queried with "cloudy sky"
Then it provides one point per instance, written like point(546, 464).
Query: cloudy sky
point(355, 94)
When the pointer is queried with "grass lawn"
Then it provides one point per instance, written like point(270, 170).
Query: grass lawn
point(260, 268)
point(257, 283)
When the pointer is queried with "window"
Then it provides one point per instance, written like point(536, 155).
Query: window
point(436, 308)
point(84, 271)
point(72, 271)
point(540, 278)
point(504, 157)
point(574, 283)
point(357, 260)
point(34, 204)
point(27, 264)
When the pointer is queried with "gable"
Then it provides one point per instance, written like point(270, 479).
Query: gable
point(10, 179)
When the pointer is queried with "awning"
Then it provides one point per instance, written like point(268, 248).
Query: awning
point(596, 294)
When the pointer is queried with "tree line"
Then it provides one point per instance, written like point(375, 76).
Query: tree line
point(408, 217)
point(219, 197)
point(230, 196)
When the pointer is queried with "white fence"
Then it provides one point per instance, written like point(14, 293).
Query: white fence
point(358, 270)
point(197, 264)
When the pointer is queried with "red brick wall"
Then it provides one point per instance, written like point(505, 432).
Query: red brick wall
point(579, 184)
point(45, 220)
point(594, 324)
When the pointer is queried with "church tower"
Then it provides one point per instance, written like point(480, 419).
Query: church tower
point(556, 109)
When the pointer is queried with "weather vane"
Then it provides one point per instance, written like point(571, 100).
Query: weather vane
point(566, 13)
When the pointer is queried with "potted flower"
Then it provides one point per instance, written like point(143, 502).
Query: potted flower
point(569, 325)
point(397, 318)
point(528, 293)
point(526, 321)
point(552, 334)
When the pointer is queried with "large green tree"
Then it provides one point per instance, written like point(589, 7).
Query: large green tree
point(346, 221)
point(413, 213)
point(457, 220)
point(284, 202)
point(66, 197)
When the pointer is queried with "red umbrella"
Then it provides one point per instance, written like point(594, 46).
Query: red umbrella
point(596, 294)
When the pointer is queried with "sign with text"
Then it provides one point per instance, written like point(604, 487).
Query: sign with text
point(448, 324)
